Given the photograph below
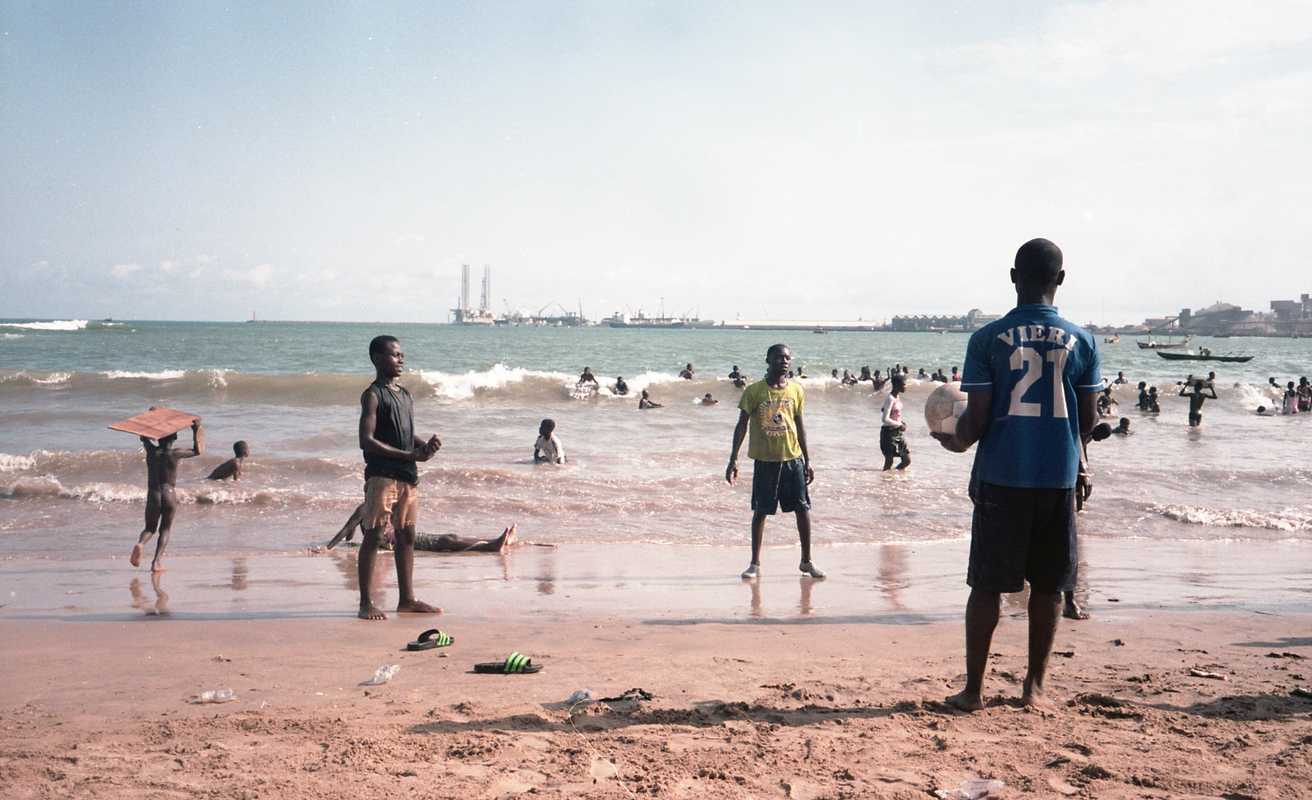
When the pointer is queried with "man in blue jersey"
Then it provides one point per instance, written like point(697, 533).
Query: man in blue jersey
point(1032, 379)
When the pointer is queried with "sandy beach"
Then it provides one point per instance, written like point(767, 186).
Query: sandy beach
point(808, 692)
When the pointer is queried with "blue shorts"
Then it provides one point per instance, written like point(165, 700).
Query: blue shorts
point(779, 485)
point(1019, 535)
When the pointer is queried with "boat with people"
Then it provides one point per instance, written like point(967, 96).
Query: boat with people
point(1204, 354)
point(1153, 344)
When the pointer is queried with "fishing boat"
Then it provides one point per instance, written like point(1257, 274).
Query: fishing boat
point(1204, 354)
point(1153, 344)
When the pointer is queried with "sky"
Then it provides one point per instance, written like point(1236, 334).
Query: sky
point(754, 160)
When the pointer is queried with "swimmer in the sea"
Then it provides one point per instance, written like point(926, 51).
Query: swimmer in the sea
point(687, 372)
point(621, 388)
point(1106, 405)
point(548, 449)
point(587, 378)
point(707, 400)
point(161, 477)
point(232, 468)
point(646, 402)
point(1193, 389)
point(1153, 406)
point(1122, 429)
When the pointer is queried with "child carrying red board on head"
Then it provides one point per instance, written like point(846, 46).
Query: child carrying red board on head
point(158, 429)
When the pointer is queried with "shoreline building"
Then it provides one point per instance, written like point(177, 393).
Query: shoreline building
point(1293, 317)
point(972, 320)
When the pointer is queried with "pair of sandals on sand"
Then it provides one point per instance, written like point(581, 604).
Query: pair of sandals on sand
point(515, 663)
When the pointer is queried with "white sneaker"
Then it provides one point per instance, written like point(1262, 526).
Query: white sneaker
point(808, 568)
point(752, 572)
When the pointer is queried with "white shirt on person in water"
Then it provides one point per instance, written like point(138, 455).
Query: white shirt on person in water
point(550, 448)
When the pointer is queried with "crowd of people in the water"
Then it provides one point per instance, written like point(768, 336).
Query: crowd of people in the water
point(1034, 394)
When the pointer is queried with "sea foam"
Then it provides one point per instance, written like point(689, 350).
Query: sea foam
point(56, 325)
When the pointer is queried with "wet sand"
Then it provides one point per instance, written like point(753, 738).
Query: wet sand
point(786, 688)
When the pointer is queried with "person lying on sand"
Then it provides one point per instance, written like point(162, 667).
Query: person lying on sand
point(438, 543)
point(232, 467)
point(161, 502)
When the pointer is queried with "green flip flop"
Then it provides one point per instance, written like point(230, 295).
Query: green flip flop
point(430, 639)
point(515, 664)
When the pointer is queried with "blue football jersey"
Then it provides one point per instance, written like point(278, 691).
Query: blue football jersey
point(1035, 363)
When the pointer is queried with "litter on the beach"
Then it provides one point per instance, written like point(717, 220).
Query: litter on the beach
point(215, 696)
point(1202, 673)
point(382, 675)
point(635, 695)
point(580, 696)
point(971, 789)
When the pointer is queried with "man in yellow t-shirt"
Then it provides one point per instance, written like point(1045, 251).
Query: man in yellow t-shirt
point(771, 409)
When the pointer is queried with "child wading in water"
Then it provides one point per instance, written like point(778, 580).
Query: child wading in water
point(161, 503)
point(548, 449)
point(233, 466)
point(781, 471)
point(391, 477)
point(891, 441)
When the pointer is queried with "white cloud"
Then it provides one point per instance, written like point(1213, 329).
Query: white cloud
point(167, 265)
point(1157, 37)
point(122, 271)
point(259, 275)
point(408, 238)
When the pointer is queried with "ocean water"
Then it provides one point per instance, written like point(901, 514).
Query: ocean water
point(70, 488)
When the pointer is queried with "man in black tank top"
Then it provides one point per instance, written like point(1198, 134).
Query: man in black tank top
point(391, 475)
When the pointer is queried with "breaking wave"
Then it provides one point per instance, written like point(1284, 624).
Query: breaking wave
point(55, 325)
point(1287, 520)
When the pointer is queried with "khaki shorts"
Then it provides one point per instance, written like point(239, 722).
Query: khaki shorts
point(386, 498)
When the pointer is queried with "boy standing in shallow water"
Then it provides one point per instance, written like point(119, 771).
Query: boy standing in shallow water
point(391, 477)
point(781, 471)
point(161, 478)
point(892, 442)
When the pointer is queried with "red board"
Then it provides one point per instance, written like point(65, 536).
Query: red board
point(155, 423)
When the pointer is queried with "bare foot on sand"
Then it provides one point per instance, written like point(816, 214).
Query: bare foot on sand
point(135, 558)
point(156, 567)
point(370, 611)
point(507, 539)
point(1071, 610)
point(1034, 698)
point(965, 701)
point(417, 607)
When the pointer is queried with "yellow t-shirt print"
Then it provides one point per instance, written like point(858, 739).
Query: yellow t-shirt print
point(772, 415)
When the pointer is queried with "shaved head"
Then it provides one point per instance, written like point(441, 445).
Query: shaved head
point(1038, 262)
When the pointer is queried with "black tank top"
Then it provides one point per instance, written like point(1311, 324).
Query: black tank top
point(394, 424)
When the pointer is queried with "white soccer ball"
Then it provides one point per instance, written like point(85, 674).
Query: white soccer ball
point(944, 407)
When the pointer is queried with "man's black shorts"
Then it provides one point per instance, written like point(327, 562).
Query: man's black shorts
point(779, 485)
point(892, 443)
point(1020, 535)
